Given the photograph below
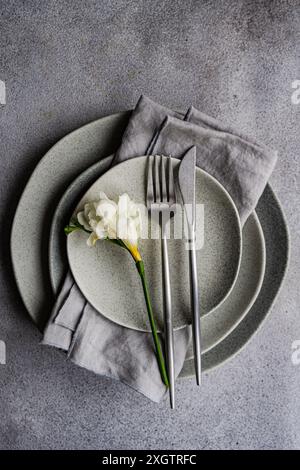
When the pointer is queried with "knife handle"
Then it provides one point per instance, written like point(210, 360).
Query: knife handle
point(195, 305)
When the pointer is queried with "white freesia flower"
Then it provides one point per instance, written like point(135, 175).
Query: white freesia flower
point(121, 223)
point(106, 219)
point(129, 220)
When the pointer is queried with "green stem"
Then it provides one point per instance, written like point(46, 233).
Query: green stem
point(159, 354)
point(75, 225)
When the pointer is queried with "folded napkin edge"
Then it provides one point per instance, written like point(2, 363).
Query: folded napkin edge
point(119, 379)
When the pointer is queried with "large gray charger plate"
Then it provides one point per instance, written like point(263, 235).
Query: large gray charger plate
point(107, 276)
point(59, 167)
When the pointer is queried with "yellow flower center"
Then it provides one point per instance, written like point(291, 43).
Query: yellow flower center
point(134, 251)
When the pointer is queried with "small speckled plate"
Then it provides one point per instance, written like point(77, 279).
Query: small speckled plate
point(223, 319)
point(107, 276)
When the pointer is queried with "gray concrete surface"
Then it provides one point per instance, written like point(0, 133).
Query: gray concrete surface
point(66, 63)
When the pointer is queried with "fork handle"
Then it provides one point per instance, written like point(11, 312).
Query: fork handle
point(169, 335)
point(195, 305)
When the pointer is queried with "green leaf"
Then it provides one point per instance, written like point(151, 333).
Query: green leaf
point(74, 225)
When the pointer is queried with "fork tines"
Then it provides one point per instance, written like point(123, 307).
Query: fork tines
point(160, 188)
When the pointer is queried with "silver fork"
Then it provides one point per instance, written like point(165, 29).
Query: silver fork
point(161, 199)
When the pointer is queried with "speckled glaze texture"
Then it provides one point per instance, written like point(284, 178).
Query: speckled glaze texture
point(58, 262)
point(107, 276)
point(29, 241)
point(68, 63)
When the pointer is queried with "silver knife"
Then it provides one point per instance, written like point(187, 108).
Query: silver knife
point(186, 180)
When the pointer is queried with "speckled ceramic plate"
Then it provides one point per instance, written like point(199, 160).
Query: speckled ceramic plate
point(277, 257)
point(107, 276)
point(58, 261)
point(30, 231)
point(222, 320)
point(58, 168)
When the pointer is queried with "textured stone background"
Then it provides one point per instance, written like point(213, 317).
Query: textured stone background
point(66, 63)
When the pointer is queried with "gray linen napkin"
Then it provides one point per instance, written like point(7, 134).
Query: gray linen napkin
point(108, 349)
point(238, 162)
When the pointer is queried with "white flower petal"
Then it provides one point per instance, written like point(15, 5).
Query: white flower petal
point(92, 239)
point(82, 220)
point(106, 210)
point(107, 219)
point(100, 230)
point(123, 204)
point(132, 233)
point(129, 219)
